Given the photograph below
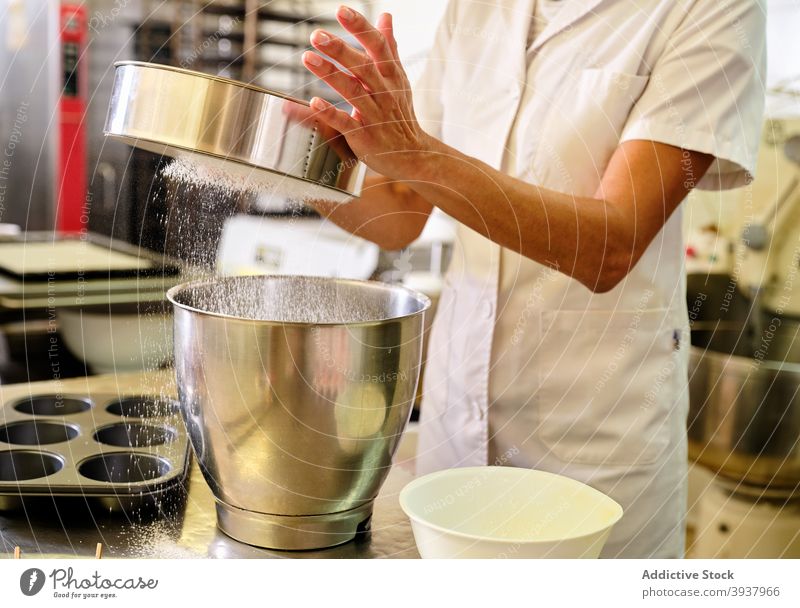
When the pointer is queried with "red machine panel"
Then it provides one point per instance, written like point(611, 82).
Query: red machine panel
point(71, 214)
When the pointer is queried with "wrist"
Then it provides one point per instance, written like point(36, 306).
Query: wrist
point(417, 163)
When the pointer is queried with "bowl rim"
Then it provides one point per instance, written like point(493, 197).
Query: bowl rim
point(173, 292)
point(520, 471)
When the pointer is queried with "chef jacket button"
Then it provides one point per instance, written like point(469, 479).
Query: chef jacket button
point(487, 309)
point(475, 406)
point(513, 91)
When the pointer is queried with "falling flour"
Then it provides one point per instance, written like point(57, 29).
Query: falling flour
point(228, 177)
point(281, 300)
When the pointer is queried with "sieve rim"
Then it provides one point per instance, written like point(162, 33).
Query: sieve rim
point(221, 79)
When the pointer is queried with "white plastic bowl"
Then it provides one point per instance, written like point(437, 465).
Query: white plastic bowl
point(497, 512)
point(118, 338)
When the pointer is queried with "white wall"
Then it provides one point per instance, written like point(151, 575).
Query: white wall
point(783, 39)
point(415, 24)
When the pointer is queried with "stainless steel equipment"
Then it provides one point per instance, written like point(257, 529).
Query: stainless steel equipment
point(172, 111)
point(295, 392)
point(124, 453)
point(744, 419)
point(29, 139)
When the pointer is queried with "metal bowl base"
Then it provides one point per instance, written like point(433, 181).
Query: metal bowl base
point(293, 532)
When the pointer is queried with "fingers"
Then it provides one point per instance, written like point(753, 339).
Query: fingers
point(373, 41)
point(347, 86)
point(359, 64)
point(332, 116)
point(385, 27)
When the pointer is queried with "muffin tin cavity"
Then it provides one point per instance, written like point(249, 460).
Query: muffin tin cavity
point(143, 407)
point(22, 465)
point(119, 452)
point(34, 432)
point(125, 467)
point(52, 405)
point(135, 435)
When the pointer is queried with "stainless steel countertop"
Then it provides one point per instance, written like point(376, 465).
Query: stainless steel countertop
point(189, 531)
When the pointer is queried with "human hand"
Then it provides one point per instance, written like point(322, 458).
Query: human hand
point(382, 130)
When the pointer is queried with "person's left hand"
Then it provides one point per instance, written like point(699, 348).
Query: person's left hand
point(382, 129)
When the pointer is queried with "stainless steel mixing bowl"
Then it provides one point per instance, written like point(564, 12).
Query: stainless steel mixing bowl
point(296, 391)
point(744, 419)
point(172, 111)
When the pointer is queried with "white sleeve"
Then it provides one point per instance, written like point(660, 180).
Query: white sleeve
point(427, 89)
point(706, 91)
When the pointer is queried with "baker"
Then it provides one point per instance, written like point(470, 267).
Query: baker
point(563, 137)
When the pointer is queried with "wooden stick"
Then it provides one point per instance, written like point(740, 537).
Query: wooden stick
point(98, 552)
point(17, 552)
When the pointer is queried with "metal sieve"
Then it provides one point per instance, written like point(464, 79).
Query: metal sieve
point(175, 112)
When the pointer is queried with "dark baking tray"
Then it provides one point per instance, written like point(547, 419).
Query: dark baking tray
point(121, 452)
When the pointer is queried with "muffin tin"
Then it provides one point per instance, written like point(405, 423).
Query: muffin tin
point(122, 452)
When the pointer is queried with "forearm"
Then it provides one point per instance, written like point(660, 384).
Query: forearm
point(585, 238)
point(387, 213)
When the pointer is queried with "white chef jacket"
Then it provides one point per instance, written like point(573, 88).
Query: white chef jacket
point(526, 366)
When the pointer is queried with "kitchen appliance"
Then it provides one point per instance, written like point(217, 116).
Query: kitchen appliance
point(744, 422)
point(123, 453)
point(507, 512)
point(250, 133)
point(298, 245)
point(42, 121)
point(295, 392)
point(72, 165)
point(745, 415)
point(29, 110)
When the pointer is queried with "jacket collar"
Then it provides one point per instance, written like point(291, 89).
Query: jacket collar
point(517, 16)
point(569, 14)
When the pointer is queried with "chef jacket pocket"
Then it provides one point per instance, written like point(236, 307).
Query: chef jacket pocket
point(583, 126)
point(607, 382)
